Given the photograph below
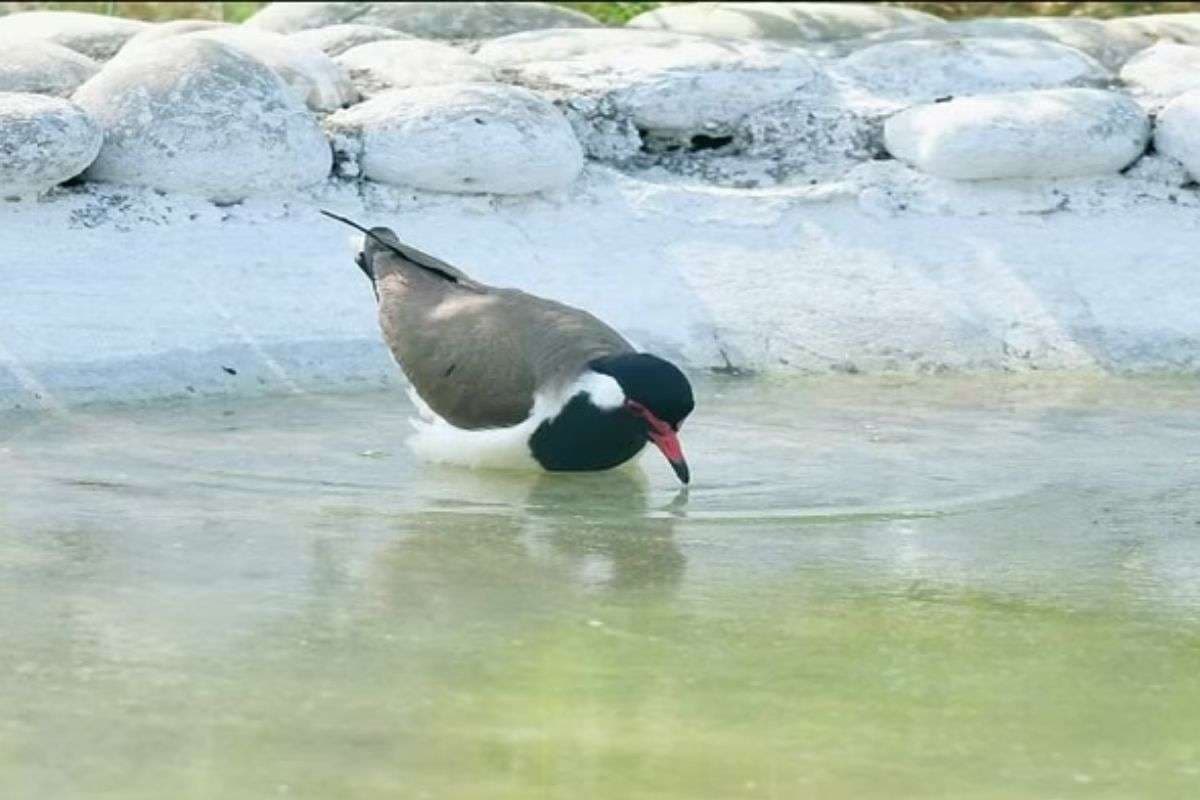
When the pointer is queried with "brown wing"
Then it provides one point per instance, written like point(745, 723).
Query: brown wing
point(477, 355)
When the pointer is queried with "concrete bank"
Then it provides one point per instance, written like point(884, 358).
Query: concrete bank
point(110, 293)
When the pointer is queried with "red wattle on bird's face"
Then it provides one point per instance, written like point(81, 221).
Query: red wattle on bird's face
point(664, 437)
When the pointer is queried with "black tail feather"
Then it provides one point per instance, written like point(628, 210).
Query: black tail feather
point(422, 261)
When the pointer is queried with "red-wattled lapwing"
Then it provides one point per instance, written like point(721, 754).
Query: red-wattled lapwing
point(507, 372)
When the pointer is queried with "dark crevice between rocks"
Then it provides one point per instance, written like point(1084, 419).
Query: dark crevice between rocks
point(1148, 151)
point(703, 141)
point(658, 142)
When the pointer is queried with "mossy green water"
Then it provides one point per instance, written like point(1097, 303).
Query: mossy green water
point(950, 589)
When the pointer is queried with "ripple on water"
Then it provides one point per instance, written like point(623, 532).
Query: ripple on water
point(958, 585)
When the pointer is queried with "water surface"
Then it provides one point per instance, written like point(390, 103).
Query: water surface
point(967, 589)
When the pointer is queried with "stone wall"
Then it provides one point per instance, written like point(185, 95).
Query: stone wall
point(767, 187)
point(732, 94)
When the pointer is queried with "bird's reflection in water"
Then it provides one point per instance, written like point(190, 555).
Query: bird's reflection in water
point(678, 505)
point(602, 523)
point(515, 538)
point(506, 605)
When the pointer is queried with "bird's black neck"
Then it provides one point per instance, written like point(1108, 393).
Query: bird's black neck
point(584, 437)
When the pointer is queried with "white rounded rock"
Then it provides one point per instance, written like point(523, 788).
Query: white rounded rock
point(43, 142)
point(94, 35)
point(379, 66)
point(472, 20)
point(799, 22)
point(313, 76)
point(200, 117)
point(923, 71)
point(428, 20)
point(293, 17)
point(1164, 70)
point(42, 67)
point(564, 44)
point(333, 40)
point(175, 27)
point(1052, 133)
point(663, 81)
point(1089, 36)
point(1177, 132)
point(463, 138)
point(985, 28)
point(1112, 47)
point(636, 94)
point(1151, 28)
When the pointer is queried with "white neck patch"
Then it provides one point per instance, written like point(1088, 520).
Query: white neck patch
point(604, 390)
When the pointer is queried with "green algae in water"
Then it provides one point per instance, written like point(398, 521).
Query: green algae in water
point(955, 589)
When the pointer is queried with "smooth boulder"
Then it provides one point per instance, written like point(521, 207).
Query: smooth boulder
point(1111, 46)
point(1090, 36)
point(293, 17)
point(42, 67)
point(333, 40)
point(1177, 132)
point(1164, 70)
point(313, 76)
point(473, 20)
point(379, 66)
point(1051, 133)
point(985, 28)
point(730, 112)
point(175, 27)
point(196, 116)
point(794, 22)
point(922, 71)
point(95, 35)
point(593, 44)
point(566, 44)
point(43, 142)
point(462, 138)
point(662, 81)
point(426, 20)
point(1150, 28)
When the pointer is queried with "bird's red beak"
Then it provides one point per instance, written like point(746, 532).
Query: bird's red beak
point(664, 438)
point(669, 444)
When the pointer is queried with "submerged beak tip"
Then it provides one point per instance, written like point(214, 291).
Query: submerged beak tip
point(667, 441)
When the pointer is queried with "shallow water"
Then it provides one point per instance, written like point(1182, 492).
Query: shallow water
point(967, 589)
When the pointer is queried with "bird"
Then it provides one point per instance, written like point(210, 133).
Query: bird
point(502, 377)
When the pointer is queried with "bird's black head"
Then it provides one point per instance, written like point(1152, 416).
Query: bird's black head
point(377, 240)
point(657, 392)
point(657, 385)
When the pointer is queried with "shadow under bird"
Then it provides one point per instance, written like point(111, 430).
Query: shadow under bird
point(487, 359)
